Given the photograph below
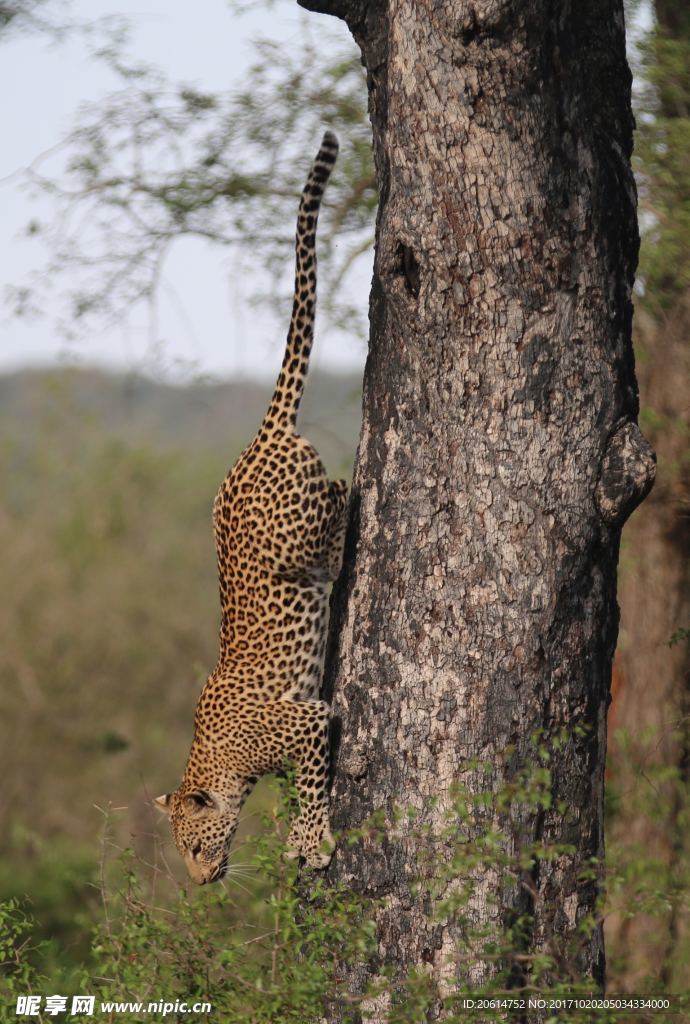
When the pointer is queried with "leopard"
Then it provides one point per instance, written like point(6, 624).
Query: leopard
point(279, 525)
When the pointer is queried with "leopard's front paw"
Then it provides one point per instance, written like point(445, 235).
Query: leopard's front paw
point(320, 859)
point(316, 847)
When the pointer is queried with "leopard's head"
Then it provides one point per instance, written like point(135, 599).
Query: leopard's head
point(203, 825)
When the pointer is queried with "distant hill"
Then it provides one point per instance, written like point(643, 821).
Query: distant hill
point(204, 416)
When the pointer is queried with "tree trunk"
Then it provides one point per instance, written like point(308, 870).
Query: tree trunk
point(499, 453)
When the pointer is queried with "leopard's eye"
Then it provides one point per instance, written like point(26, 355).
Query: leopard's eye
point(195, 850)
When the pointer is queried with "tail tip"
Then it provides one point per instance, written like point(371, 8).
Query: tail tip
point(330, 141)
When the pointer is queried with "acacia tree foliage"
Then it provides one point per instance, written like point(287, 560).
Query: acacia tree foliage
point(156, 161)
point(30, 16)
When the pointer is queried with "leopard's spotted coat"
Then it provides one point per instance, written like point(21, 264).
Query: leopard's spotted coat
point(279, 525)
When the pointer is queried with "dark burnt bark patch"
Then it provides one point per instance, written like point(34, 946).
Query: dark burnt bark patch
point(407, 267)
point(539, 361)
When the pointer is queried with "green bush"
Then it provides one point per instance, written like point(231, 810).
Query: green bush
point(270, 946)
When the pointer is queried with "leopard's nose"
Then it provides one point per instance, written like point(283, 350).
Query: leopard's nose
point(199, 873)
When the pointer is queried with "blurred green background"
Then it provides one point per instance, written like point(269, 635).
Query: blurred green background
point(109, 607)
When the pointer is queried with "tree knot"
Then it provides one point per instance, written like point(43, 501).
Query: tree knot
point(626, 475)
point(355, 764)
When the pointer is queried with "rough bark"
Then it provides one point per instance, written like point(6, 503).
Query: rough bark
point(499, 455)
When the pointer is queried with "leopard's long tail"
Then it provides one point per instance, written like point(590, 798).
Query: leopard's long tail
point(284, 406)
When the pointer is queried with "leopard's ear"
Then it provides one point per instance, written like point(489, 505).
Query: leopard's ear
point(163, 803)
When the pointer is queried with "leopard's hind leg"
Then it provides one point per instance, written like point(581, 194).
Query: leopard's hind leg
point(302, 528)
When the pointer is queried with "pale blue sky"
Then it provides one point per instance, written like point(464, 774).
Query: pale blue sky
point(206, 329)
